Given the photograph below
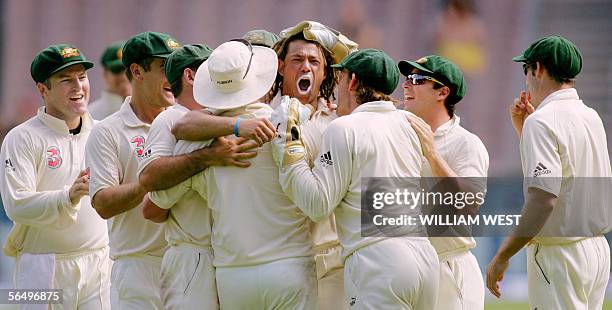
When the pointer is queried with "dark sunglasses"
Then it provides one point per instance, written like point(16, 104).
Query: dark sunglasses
point(250, 46)
point(417, 79)
point(526, 66)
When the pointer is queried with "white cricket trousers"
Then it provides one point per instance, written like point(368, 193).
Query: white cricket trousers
point(461, 285)
point(396, 273)
point(136, 283)
point(288, 283)
point(84, 278)
point(330, 279)
point(568, 276)
point(188, 278)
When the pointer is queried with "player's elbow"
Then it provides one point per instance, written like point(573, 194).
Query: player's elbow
point(100, 208)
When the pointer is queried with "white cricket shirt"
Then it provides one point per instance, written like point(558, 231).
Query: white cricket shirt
point(562, 145)
point(467, 156)
point(107, 104)
point(375, 140)
point(189, 220)
point(254, 222)
point(41, 162)
point(113, 152)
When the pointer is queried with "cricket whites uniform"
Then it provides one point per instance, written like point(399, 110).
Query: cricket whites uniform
point(328, 251)
point(57, 244)
point(136, 245)
point(563, 142)
point(261, 241)
point(373, 141)
point(187, 272)
point(461, 285)
point(107, 104)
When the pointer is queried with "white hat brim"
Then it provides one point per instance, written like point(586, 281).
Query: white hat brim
point(259, 80)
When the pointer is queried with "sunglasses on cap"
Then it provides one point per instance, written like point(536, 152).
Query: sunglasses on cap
point(250, 46)
point(417, 79)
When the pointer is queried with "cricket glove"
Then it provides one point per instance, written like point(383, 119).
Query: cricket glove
point(287, 146)
point(332, 40)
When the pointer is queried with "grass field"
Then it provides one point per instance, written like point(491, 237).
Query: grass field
point(520, 306)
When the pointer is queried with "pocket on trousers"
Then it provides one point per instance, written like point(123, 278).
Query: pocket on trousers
point(193, 275)
point(540, 266)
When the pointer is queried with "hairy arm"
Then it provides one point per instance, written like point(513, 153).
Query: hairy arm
point(199, 125)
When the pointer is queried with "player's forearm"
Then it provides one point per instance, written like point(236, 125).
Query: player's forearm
point(302, 187)
point(166, 172)
point(198, 126)
point(538, 207)
point(40, 209)
point(115, 200)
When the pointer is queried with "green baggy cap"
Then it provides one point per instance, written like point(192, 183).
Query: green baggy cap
point(148, 44)
point(374, 68)
point(441, 69)
point(111, 58)
point(56, 58)
point(184, 57)
point(559, 55)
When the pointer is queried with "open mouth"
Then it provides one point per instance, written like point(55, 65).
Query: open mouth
point(77, 98)
point(304, 84)
point(408, 97)
point(168, 89)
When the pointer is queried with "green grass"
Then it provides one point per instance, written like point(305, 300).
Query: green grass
point(521, 305)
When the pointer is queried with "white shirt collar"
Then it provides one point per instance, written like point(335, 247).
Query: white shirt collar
point(563, 94)
point(59, 125)
point(448, 126)
point(375, 106)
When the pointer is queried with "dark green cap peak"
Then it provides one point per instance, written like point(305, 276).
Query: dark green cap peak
point(184, 57)
point(148, 44)
point(441, 69)
point(374, 68)
point(559, 55)
point(111, 58)
point(261, 37)
point(56, 58)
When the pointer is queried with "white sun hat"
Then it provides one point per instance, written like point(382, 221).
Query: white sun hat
point(234, 75)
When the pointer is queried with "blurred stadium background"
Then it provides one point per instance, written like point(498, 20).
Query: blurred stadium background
point(480, 35)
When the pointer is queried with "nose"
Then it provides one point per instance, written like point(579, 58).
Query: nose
point(406, 84)
point(305, 67)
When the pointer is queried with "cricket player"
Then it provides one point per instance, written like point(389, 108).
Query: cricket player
point(563, 142)
point(305, 54)
point(433, 86)
point(380, 272)
point(188, 276)
point(117, 85)
point(262, 250)
point(113, 153)
point(57, 238)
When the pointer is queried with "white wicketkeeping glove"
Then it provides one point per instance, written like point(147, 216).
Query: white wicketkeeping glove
point(287, 146)
point(336, 43)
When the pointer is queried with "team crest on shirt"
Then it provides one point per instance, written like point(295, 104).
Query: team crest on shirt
point(139, 142)
point(54, 157)
point(8, 166)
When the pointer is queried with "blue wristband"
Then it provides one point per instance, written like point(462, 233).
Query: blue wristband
point(236, 127)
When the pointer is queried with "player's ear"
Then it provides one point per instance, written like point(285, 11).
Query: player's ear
point(137, 71)
point(189, 75)
point(443, 92)
point(42, 89)
point(281, 67)
point(353, 82)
